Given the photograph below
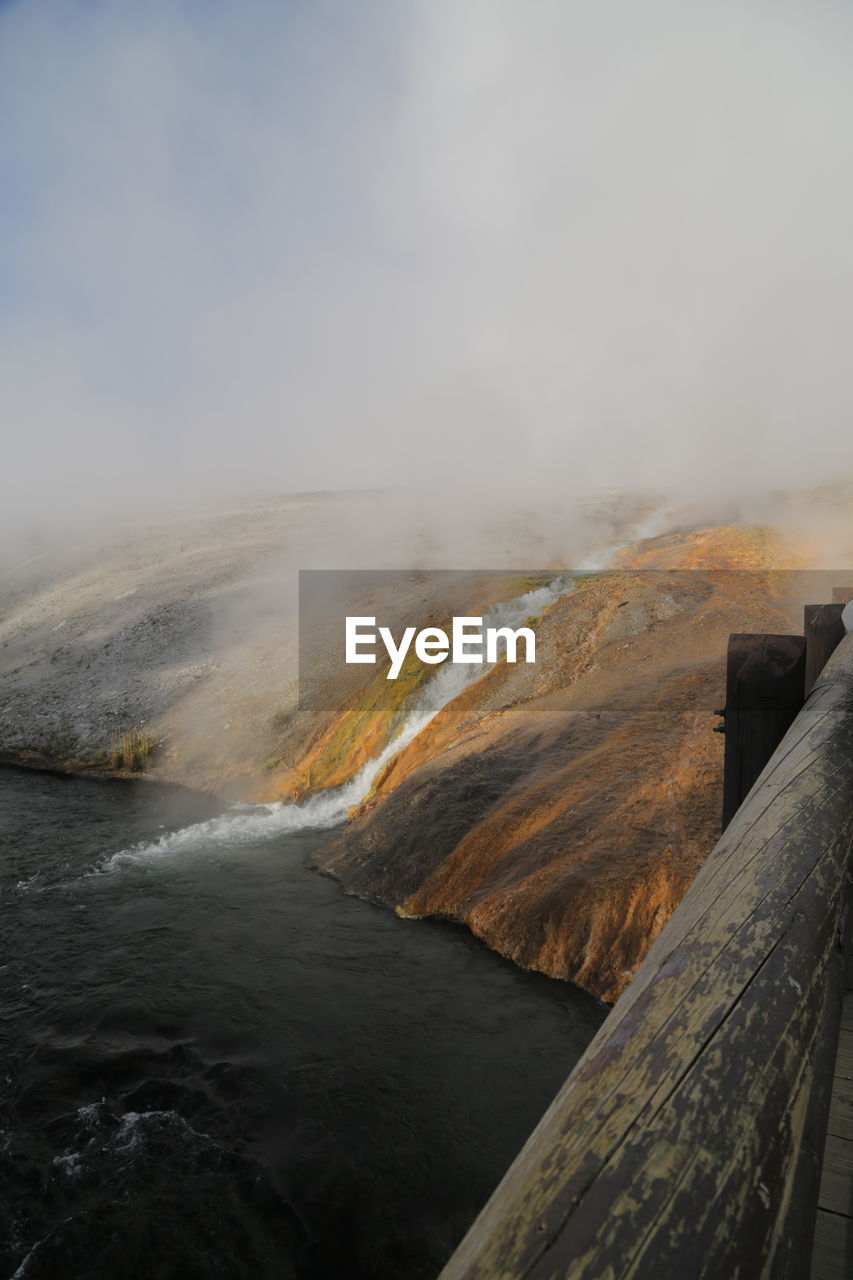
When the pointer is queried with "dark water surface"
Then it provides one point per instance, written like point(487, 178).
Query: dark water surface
point(214, 1064)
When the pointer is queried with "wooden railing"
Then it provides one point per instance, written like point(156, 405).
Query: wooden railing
point(688, 1140)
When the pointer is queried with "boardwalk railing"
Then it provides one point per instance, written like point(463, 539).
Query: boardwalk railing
point(688, 1140)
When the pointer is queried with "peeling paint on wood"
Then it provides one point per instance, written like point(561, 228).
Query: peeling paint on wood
point(688, 1140)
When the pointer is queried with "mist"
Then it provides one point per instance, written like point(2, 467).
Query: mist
point(463, 245)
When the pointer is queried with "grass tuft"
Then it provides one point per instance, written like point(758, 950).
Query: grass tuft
point(131, 750)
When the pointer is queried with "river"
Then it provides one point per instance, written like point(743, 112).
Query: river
point(215, 1064)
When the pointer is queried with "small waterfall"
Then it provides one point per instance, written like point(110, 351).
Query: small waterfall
point(246, 824)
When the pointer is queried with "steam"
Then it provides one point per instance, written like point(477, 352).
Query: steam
point(246, 824)
point(252, 248)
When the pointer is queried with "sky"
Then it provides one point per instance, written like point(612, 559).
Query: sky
point(253, 247)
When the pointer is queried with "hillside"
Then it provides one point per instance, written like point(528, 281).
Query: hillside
point(561, 816)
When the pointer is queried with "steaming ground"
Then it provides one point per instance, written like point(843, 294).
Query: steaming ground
point(186, 628)
point(183, 627)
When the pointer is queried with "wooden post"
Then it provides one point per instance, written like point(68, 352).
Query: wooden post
point(765, 681)
point(823, 630)
point(688, 1140)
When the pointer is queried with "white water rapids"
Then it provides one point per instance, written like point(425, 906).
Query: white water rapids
point(245, 824)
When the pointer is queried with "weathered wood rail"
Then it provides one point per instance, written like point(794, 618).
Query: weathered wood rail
point(688, 1140)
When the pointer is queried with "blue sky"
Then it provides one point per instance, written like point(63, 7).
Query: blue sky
point(252, 246)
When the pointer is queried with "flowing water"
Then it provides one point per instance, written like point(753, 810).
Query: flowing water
point(214, 1064)
point(247, 823)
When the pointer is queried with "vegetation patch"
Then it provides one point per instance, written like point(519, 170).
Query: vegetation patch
point(132, 749)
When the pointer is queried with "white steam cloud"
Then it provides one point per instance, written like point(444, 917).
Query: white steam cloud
point(261, 247)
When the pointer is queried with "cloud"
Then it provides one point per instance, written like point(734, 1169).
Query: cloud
point(255, 247)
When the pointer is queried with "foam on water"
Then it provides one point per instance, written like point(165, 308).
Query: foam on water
point(246, 824)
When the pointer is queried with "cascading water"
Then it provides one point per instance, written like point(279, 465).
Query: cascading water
point(245, 824)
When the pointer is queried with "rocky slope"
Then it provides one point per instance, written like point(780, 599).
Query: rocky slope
point(562, 815)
